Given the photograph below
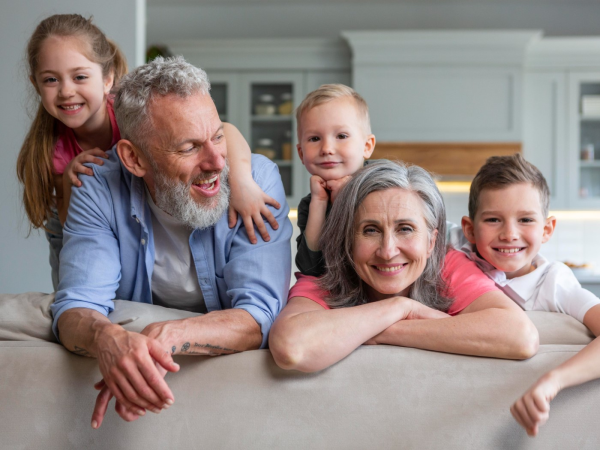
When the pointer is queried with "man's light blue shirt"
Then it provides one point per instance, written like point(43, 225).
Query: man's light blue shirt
point(108, 249)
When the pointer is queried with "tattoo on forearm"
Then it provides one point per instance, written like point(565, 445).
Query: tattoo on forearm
point(207, 349)
point(81, 352)
point(173, 349)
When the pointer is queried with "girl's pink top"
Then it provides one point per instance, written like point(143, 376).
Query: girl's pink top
point(465, 281)
point(67, 147)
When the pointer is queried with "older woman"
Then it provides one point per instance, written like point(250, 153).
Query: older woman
point(384, 246)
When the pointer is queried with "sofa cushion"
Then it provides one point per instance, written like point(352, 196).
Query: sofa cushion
point(26, 317)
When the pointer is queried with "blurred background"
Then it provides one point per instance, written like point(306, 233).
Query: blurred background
point(448, 82)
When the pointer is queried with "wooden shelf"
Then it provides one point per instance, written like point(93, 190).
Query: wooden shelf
point(273, 118)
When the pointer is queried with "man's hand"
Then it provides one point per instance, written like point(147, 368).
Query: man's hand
point(104, 398)
point(127, 363)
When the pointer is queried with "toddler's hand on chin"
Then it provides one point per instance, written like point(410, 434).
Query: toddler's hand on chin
point(318, 189)
point(335, 186)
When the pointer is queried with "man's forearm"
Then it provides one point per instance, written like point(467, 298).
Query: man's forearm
point(216, 333)
point(491, 332)
point(79, 328)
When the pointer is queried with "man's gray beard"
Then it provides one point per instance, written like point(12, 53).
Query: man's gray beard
point(174, 198)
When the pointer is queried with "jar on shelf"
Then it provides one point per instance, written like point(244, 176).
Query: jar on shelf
point(265, 148)
point(286, 106)
point(265, 106)
point(286, 146)
point(587, 152)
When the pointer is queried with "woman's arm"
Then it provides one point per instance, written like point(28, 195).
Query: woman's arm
point(308, 337)
point(247, 198)
point(492, 325)
point(533, 408)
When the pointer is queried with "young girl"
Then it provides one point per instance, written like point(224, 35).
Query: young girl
point(73, 66)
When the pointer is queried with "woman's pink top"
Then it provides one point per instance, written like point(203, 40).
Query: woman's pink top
point(67, 147)
point(465, 281)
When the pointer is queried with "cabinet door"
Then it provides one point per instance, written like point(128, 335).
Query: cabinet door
point(224, 90)
point(544, 130)
point(584, 140)
point(267, 103)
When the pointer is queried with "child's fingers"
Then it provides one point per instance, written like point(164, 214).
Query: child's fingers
point(270, 217)
point(249, 225)
point(262, 229)
point(523, 415)
point(271, 201)
point(97, 152)
point(232, 216)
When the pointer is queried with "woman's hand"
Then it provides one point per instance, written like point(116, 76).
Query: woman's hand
point(411, 310)
point(249, 201)
point(533, 408)
point(76, 165)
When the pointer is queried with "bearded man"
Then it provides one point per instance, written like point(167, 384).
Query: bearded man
point(150, 226)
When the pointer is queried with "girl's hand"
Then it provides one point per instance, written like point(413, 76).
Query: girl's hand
point(533, 408)
point(248, 200)
point(335, 186)
point(76, 165)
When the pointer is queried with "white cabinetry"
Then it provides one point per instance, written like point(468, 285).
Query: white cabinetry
point(559, 72)
point(253, 79)
point(444, 86)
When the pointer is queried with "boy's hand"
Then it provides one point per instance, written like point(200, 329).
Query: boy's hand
point(533, 408)
point(76, 165)
point(335, 186)
point(248, 200)
point(318, 189)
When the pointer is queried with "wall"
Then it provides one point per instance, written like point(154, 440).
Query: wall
point(236, 19)
point(24, 262)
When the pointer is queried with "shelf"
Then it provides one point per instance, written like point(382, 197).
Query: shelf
point(589, 119)
point(590, 164)
point(273, 118)
point(283, 162)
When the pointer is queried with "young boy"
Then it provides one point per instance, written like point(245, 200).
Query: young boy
point(334, 140)
point(507, 224)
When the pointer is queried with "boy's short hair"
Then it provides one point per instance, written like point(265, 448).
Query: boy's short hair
point(328, 92)
point(502, 171)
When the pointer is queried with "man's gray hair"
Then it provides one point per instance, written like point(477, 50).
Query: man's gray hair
point(135, 91)
point(337, 241)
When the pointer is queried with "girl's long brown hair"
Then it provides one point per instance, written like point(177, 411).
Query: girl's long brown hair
point(35, 168)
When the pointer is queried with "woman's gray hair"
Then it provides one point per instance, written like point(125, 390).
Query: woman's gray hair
point(135, 91)
point(337, 241)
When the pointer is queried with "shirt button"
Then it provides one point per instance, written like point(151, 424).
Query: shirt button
point(143, 241)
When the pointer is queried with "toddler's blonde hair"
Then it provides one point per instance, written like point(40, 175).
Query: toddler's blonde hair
point(328, 92)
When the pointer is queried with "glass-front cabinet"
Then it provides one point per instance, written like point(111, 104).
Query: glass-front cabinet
point(261, 105)
point(584, 139)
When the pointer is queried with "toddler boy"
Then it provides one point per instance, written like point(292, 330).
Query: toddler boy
point(334, 140)
point(507, 224)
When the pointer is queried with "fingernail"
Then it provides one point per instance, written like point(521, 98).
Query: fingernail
point(155, 410)
point(169, 401)
point(141, 412)
point(94, 424)
point(166, 406)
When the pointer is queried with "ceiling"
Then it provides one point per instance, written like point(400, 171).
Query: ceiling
point(165, 3)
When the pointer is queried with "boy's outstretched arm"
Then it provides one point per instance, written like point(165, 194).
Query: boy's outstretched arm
point(533, 408)
point(247, 198)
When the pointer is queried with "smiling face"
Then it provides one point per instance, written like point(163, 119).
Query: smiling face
point(188, 150)
point(392, 242)
point(509, 228)
point(72, 88)
point(332, 139)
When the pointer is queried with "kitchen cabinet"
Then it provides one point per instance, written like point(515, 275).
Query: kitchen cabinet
point(558, 137)
point(258, 90)
point(584, 139)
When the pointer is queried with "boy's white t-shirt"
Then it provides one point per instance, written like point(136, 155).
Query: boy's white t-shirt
point(552, 286)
